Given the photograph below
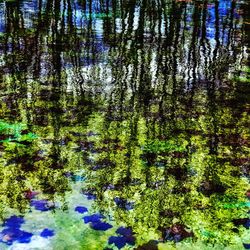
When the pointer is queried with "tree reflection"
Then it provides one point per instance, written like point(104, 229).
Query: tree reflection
point(154, 79)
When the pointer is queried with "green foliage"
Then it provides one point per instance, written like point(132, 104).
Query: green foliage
point(11, 129)
point(158, 146)
point(14, 132)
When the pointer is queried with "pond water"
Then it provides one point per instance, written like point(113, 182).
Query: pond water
point(124, 124)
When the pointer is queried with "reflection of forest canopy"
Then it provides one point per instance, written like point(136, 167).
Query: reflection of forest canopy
point(156, 84)
point(177, 33)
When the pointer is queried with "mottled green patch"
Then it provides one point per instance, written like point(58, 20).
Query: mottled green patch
point(14, 132)
point(237, 205)
point(158, 146)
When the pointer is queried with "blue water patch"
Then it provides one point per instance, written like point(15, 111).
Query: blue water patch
point(127, 233)
point(125, 237)
point(13, 222)
point(81, 209)
point(247, 224)
point(124, 231)
point(96, 223)
point(118, 241)
point(93, 218)
point(12, 231)
point(11, 234)
point(41, 205)
point(101, 226)
point(46, 233)
point(246, 246)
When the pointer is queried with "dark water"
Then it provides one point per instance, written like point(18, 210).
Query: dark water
point(124, 124)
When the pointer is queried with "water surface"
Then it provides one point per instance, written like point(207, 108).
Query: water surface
point(124, 124)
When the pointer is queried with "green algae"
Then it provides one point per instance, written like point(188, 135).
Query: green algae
point(14, 132)
point(158, 146)
point(237, 205)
